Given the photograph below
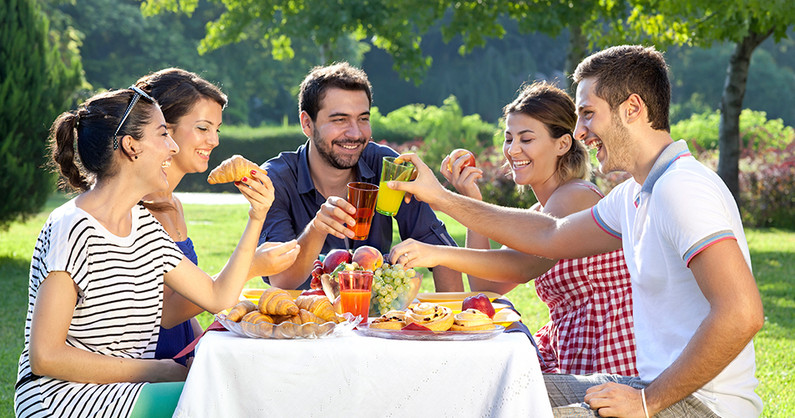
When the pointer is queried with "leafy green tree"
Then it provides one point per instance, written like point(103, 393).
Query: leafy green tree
point(118, 45)
point(701, 23)
point(398, 27)
point(35, 85)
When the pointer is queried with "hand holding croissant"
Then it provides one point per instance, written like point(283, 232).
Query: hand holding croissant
point(232, 169)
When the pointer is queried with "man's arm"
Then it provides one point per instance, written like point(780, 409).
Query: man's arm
point(735, 316)
point(328, 220)
point(535, 233)
point(447, 280)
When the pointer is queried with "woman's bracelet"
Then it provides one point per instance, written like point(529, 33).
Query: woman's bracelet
point(643, 397)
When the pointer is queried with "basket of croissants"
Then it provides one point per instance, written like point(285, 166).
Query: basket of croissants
point(279, 316)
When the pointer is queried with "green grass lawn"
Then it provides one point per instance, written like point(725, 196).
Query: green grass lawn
point(215, 231)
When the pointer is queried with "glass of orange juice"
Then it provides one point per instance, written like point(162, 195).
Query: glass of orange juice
point(355, 288)
point(362, 196)
point(388, 199)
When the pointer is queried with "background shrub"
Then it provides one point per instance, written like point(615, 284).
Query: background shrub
point(767, 169)
point(756, 130)
point(32, 61)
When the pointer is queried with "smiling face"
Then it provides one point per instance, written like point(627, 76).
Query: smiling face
point(342, 127)
point(531, 152)
point(602, 129)
point(157, 149)
point(196, 134)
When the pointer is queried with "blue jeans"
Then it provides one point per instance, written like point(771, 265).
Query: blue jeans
point(567, 391)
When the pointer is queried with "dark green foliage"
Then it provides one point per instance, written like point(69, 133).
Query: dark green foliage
point(36, 85)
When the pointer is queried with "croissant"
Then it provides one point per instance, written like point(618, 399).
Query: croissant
point(306, 317)
point(318, 305)
point(257, 324)
point(241, 309)
point(275, 301)
point(232, 169)
point(255, 317)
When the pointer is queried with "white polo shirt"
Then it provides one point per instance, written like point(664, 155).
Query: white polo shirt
point(681, 209)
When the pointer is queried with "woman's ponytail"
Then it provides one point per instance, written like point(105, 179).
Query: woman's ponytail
point(63, 135)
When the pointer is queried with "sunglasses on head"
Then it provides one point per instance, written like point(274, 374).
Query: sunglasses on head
point(138, 94)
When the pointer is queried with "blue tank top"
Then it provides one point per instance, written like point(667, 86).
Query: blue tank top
point(172, 341)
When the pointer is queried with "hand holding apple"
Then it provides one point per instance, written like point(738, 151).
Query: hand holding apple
point(480, 302)
point(466, 155)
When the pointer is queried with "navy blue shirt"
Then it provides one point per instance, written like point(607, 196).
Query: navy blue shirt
point(297, 201)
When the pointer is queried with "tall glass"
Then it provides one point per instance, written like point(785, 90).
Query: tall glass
point(388, 199)
point(363, 197)
point(355, 287)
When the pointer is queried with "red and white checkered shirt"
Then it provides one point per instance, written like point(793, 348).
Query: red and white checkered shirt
point(590, 306)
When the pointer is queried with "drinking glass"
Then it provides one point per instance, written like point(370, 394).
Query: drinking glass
point(363, 197)
point(389, 200)
point(355, 286)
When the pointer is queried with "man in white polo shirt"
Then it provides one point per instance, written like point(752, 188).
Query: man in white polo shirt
point(696, 304)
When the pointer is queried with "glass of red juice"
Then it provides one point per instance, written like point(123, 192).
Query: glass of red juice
point(363, 197)
point(355, 288)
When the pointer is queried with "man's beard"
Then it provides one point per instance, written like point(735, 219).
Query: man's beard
point(618, 156)
point(337, 161)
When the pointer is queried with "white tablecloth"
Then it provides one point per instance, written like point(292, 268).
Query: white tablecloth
point(355, 375)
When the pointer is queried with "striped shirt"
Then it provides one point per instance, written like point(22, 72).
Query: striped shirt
point(118, 309)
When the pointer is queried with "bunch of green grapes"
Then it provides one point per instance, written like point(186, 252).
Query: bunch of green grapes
point(391, 288)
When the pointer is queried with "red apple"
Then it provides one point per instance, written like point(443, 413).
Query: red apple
point(480, 302)
point(335, 258)
point(458, 152)
point(368, 258)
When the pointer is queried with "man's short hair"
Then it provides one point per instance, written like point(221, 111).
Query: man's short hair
point(338, 75)
point(622, 70)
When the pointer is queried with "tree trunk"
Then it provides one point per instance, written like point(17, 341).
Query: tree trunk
point(574, 55)
point(731, 104)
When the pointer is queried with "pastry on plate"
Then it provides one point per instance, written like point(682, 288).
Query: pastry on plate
point(390, 320)
point(472, 320)
point(430, 315)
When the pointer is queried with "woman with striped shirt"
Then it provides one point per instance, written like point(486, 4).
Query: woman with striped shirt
point(100, 264)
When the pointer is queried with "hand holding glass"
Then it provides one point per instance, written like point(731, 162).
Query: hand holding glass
point(362, 196)
point(389, 200)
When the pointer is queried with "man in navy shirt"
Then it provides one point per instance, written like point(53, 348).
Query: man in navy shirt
point(311, 183)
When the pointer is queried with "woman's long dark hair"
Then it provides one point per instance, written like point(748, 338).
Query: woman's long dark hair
point(81, 141)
